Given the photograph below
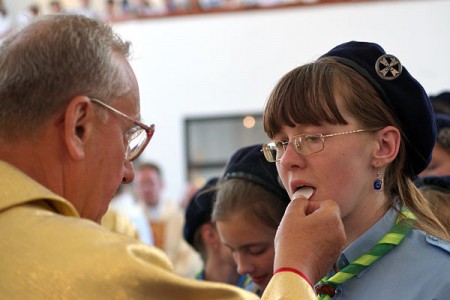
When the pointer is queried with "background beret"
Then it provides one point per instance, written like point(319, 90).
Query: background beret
point(435, 182)
point(441, 103)
point(403, 94)
point(248, 163)
point(443, 129)
point(199, 209)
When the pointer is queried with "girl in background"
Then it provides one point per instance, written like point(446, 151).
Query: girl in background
point(250, 203)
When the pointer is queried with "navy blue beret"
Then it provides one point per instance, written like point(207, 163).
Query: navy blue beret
point(199, 209)
point(248, 163)
point(443, 129)
point(403, 94)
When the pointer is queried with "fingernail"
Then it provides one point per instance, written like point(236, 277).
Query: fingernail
point(304, 192)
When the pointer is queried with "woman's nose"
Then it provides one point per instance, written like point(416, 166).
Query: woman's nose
point(290, 158)
point(244, 265)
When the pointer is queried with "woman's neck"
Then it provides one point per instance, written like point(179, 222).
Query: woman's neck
point(364, 217)
point(221, 272)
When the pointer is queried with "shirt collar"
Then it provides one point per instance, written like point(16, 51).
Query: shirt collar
point(21, 189)
point(369, 239)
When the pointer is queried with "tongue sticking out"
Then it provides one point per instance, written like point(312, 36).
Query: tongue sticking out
point(305, 192)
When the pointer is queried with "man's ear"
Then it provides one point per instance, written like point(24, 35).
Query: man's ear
point(78, 125)
point(388, 145)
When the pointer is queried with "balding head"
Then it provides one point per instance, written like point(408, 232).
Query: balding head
point(50, 61)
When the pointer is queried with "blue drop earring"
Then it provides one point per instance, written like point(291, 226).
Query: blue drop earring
point(378, 183)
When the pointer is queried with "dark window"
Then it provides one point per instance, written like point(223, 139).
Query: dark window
point(210, 142)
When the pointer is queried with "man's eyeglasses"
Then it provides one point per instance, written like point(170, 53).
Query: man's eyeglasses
point(303, 144)
point(137, 137)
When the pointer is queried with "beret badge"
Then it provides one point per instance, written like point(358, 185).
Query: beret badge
point(388, 67)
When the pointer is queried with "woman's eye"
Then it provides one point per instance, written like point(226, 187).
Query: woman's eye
point(280, 144)
point(312, 138)
point(256, 250)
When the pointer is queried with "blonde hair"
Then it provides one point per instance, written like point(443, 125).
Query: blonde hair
point(440, 202)
point(306, 95)
point(239, 196)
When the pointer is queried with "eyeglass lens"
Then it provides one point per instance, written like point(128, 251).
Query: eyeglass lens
point(135, 142)
point(303, 144)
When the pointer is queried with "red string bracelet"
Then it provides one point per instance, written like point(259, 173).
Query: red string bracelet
point(286, 269)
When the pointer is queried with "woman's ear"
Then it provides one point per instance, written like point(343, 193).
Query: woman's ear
point(78, 124)
point(209, 234)
point(388, 144)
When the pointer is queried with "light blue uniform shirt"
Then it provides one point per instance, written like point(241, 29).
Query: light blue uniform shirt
point(417, 269)
point(244, 281)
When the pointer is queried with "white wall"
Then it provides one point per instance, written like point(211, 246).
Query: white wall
point(227, 63)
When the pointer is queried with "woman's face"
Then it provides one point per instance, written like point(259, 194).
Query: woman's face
point(251, 244)
point(343, 171)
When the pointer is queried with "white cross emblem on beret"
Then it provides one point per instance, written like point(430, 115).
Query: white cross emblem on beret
point(388, 67)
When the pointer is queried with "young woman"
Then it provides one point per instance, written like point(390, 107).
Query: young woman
point(250, 203)
point(356, 127)
point(202, 235)
point(437, 190)
point(434, 181)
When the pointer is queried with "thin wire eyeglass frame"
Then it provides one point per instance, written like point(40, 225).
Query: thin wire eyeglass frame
point(150, 130)
point(268, 147)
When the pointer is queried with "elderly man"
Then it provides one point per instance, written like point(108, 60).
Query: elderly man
point(69, 131)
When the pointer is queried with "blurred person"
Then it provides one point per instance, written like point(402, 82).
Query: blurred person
point(249, 205)
point(119, 223)
point(6, 23)
point(112, 12)
point(206, 5)
point(124, 203)
point(441, 103)
point(166, 220)
point(434, 181)
point(437, 190)
point(25, 16)
point(440, 157)
point(61, 164)
point(126, 7)
point(356, 127)
point(202, 235)
point(56, 7)
point(84, 9)
point(145, 8)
